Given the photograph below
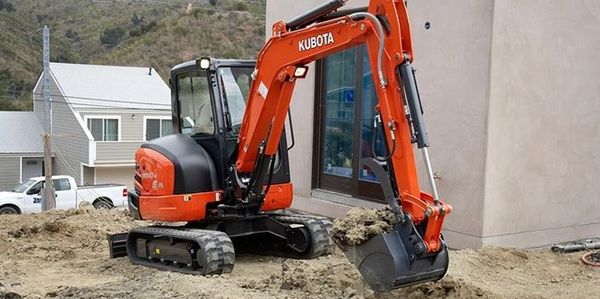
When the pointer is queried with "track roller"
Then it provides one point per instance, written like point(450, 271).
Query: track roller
point(318, 228)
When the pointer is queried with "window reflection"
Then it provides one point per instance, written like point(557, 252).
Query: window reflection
point(368, 135)
point(339, 113)
point(194, 99)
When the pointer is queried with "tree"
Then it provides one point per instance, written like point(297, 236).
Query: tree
point(136, 20)
point(112, 36)
point(212, 2)
point(5, 5)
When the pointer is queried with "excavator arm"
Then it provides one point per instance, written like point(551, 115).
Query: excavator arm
point(385, 31)
point(181, 177)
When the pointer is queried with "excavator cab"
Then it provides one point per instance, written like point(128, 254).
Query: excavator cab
point(208, 104)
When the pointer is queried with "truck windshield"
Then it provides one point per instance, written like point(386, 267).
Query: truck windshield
point(235, 85)
point(24, 186)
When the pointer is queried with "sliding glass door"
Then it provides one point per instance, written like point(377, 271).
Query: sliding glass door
point(345, 110)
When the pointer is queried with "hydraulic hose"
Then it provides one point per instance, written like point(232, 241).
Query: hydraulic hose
point(380, 33)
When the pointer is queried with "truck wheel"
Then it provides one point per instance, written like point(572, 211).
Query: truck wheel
point(103, 204)
point(8, 210)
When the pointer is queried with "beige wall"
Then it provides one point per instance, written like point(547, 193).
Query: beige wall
point(543, 163)
point(526, 175)
point(452, 62)
point(117, 175)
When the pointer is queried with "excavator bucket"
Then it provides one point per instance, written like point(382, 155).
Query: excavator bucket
point(397, 258)
point(387, 262)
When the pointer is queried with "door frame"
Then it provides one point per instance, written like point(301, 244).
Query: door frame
point(353, 186)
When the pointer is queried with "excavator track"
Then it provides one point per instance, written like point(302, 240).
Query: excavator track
point(319, 229)
point(184, 250)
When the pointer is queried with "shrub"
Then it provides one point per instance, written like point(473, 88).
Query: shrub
point(112, 36)
point(5, 5)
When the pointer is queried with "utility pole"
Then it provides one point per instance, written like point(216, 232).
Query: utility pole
point(48, 200)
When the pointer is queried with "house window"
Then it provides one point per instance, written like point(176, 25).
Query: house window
point(104, 129)
point(157, 127)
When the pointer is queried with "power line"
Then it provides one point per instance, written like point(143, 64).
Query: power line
point(86, 104)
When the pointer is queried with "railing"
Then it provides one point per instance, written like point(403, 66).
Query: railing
point(116, 151)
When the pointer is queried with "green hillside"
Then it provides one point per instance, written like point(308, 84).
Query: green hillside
point(153, 33)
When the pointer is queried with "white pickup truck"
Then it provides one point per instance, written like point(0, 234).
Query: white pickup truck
point(26, 197)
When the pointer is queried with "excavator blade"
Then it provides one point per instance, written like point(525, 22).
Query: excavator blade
point(387, 262)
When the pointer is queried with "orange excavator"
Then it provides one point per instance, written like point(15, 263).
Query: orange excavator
point(223, 179)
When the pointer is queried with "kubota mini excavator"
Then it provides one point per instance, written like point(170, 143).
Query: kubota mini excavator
point(225, 174)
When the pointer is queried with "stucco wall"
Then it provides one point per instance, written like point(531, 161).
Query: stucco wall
point(452, 62)
point(512, 103)
point(543, 164)
point(453, 73)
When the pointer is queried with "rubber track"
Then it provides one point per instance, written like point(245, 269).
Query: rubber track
point(217, 253)
point(319, 229)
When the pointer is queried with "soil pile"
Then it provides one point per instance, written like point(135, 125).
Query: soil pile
point(65, 255)
point(361, 224)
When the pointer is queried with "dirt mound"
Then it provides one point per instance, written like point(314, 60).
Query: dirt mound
point(361, 224)
point(64, 254)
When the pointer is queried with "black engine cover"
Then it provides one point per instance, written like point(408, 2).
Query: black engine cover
point(194, 169)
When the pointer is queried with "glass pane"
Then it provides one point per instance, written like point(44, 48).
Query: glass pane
point(166, 128)
point(196, 109)
point(111, 130)
point(339, 113)
point(95, 126)
point(35, 189)
point(236, 84)
point(61, 184)
point(367, 114)
point(152, 129)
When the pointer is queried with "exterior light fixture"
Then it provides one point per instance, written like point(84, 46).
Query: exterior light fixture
point(300, 71)
point(203, 63)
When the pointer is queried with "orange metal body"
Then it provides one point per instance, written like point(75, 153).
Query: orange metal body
point(192, 207)
point(156, 173)
point(178, 207)
point(157, 201)
point(272, 88)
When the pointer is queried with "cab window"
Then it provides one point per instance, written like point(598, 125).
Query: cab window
point(235, 84)
point(36, 189)
point(196, 112)
point(61, 184)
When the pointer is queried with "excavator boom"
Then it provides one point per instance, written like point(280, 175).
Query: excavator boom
point(384, 29)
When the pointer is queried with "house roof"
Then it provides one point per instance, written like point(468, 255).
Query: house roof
point(99, 86)
point(24, 134)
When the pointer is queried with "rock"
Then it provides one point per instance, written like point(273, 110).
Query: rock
point(52, 226)
point(10, 295)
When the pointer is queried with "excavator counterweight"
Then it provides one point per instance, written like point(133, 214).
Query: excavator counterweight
point(225, 172)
